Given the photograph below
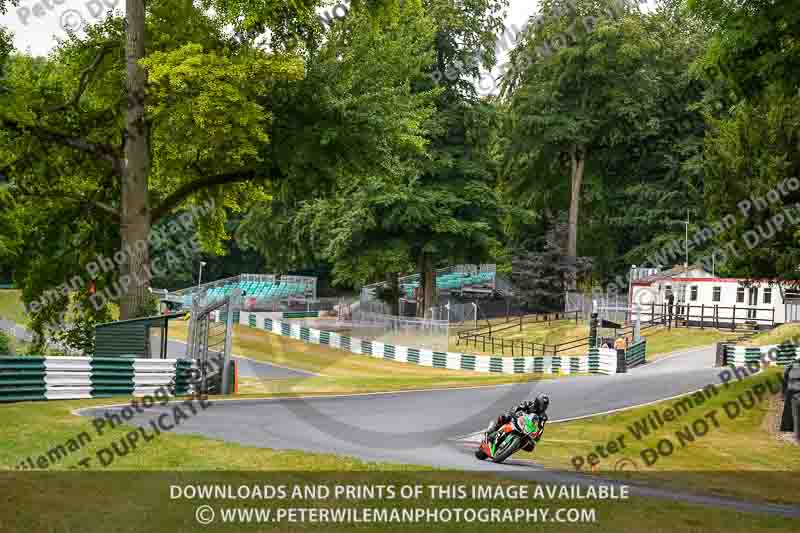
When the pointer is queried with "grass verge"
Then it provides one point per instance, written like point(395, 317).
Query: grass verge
point(662, 341)
point(739, 457)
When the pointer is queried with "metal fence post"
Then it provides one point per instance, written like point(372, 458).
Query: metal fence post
point(234, 302)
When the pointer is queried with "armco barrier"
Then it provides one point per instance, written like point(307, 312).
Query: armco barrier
point(62, 378)
point(781, 354)
point(600, 360)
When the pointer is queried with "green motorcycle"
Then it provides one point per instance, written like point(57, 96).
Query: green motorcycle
point(522, 432)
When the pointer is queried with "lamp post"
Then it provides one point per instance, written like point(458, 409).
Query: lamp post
point(686, 243)
point(200, 276)
point(631, 273)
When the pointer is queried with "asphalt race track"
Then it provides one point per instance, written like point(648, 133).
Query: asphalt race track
point(435, 427)
point(248, 368)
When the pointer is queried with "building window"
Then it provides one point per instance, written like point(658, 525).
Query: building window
point(740, 295)
point(768, 295)
point(693, 293)
point(716, 293)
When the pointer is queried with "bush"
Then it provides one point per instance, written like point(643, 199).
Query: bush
point(5, 343)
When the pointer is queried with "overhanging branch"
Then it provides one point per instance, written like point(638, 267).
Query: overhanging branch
point(182, 193)
point(99, 150)
point(85, 78)
point(63, 195)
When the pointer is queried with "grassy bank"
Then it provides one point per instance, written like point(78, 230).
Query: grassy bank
point(742, 457)
point(341, 371)
point(662, 341)
point(789, 333)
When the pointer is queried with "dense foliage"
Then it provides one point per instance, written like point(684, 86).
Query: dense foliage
point(360, 147)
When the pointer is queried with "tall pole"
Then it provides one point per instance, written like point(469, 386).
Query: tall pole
point(200, 276)
point(630, 285)
point(686, 242)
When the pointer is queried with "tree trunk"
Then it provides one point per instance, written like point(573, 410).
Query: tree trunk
point(393, 278)
point(429, 275)
point(576, 181)
point(135, 216)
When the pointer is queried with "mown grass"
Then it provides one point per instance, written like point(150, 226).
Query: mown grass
point(141, 488)
point(11, 307)
point(742, 457)
point(550, 333)
point(33, 428)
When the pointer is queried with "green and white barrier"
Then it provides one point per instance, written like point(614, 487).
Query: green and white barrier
point(602, 361)
point(450, 360)
point(63, 378)
point(776, 354)
point(636, 354)
point(300, 314)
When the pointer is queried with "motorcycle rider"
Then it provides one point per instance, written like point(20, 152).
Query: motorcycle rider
point(537, 407)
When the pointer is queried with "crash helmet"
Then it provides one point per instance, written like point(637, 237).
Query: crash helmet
point(541, 403)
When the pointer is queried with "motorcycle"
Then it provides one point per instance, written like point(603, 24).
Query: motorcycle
point(521, 433)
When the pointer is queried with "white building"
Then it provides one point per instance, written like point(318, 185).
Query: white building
point(701, 297)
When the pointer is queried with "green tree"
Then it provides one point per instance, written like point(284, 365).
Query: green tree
point(353, 115)
point(656, 179)
point(752, 149)
point(150, 133)
point(433, 203)
point(575, 108)
point(541, 277)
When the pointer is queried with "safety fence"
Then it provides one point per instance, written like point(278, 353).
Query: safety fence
point(599, 360)
point(61, 378)
point(485, 338)
point(776, 354)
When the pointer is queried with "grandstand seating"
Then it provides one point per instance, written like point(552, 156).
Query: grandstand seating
point(260, 290)
point(453, 281)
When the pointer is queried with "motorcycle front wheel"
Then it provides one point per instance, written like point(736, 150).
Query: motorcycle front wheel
point(514, 443)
